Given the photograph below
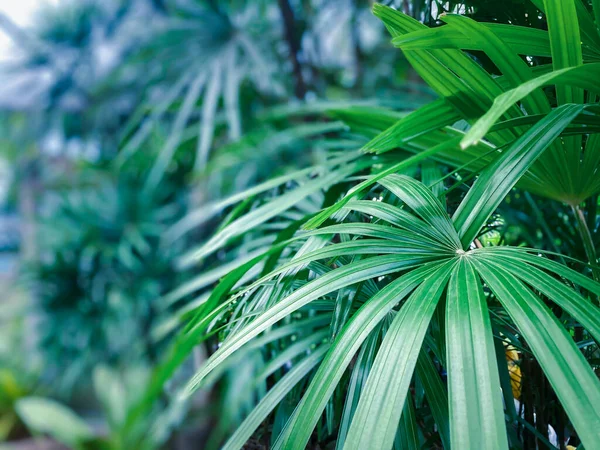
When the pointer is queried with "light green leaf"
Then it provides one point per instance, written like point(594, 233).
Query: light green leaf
point(206, 212)
point(362, 187)
point(585, 76)
point(299, 428)
point(380, 406)
point(265, 212)
point(477, 417)
point(45, 416)
point(331, 281)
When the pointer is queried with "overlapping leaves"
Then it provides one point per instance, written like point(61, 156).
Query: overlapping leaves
point(568, 172)
point(405, 281)
point(418, 260)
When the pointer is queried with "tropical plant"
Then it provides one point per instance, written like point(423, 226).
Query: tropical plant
point(14, 386)
point(210, 66)
point(96, 261)
point(116, 391)
point(99, 266)
point(406, 290)
point(563, 174)
point(424, 291)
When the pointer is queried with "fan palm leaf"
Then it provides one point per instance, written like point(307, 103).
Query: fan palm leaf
point(418, 261)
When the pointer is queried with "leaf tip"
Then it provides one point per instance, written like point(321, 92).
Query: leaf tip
point(367, 149)
point(467, 142)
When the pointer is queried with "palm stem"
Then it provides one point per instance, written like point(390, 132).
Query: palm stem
point(586, 237)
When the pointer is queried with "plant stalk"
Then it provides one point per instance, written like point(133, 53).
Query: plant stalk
point(287, 13)
point(588, 243)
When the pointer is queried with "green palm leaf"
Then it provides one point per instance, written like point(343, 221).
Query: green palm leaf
point(382, 401)
point(574, 382)
point(399, 281)
point(582, 76)
point(474, 385)
point(495, 182)
point(300, 426)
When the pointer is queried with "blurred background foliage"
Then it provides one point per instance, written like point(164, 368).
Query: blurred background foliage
point(128, 130)
point(120, 117)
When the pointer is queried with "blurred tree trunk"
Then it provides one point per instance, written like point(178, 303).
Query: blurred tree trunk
point(293, 41)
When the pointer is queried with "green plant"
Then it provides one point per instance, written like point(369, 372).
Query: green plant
point(13, 387)
point(515, 99)
point(367, 298)
point(99, 269)
point(210, 66)
point(404, 284)
point(97, 266)
point(117, 392)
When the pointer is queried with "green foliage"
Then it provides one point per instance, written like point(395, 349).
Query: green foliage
point(44, 415)
point(101, 263)
point(116, 392)
point(558, 174)
point(357, 279)
point(405, 276)
point(13, 387)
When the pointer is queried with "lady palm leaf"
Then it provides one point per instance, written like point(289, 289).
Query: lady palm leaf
point(491, 187)
point(437, 266)
point(381, 402)
point(402, 280)
point(577, 387)
point(332, 281)
point(582, 76)
point(473, 379)
point(436, 54)
point(308, 412)
point(508, 103)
